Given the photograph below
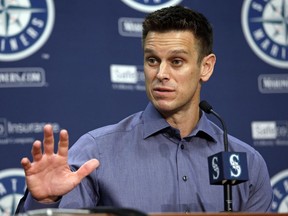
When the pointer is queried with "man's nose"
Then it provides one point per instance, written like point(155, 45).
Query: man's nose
point(163, 71)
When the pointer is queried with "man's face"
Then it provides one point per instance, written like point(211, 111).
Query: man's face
point(171, 71)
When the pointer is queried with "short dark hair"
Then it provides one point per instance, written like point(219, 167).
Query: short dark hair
point(179, 18)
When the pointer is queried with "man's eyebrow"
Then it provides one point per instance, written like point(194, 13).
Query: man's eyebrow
point(179, 51)
point(147, 50)
point(176, 51)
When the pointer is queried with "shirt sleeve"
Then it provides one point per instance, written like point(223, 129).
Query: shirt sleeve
point(28, 203)
point(32, 204)
point(261, 194)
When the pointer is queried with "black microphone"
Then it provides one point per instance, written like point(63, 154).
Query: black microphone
point(207, 108)
point(225, 168)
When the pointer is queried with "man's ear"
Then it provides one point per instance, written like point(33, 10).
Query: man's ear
point(207, 67)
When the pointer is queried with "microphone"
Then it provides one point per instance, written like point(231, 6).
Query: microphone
point(207, 108)
point(225, 168)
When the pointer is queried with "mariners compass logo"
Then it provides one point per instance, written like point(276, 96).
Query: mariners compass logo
point(279, 183)
point(265, 26)
point(12, 187)
point(25, 26)
point(150, 5)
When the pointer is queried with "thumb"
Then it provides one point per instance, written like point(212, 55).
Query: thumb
point(87, 168)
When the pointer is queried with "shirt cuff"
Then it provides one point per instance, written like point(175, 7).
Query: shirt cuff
point(32, 204)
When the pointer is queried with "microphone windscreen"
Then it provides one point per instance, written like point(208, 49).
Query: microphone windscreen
point(205, 106)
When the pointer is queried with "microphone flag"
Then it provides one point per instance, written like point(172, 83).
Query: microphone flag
point(228, 168)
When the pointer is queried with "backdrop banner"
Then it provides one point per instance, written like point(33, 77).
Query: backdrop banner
point(78, 64)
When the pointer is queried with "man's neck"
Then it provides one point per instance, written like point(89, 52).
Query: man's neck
point(184, 121)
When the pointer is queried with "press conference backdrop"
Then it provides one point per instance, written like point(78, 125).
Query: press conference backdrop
point(78, 65)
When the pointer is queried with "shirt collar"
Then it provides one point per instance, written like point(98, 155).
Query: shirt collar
point(154, 122)
point(204, 128)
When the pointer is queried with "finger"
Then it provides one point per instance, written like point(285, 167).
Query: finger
point(87, 168)
point(26, 164)
point(63, 143)
point(48, 141)
point(36, 151)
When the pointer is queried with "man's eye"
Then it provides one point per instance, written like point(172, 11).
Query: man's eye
point(176, 62)
point(151, 60)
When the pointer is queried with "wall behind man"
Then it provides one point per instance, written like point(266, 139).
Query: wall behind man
point(78, 65)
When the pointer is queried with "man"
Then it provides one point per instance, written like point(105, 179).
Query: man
point(155, 160)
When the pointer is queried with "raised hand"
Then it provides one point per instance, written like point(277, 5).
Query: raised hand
point(49, 177)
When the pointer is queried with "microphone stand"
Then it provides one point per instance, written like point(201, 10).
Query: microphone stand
point(227, 189)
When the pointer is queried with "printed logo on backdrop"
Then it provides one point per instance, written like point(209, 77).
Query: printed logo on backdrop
point(265, 26)
point(273, 83)
point(22, 77)
point(148, 6)
point(12, 188)
point(22, 133)
point(25, 26)
point(279, 184)
point(127, 77)
point(130, 27)
point(270, 133)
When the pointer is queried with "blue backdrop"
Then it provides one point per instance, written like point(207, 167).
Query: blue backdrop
point(78, 65)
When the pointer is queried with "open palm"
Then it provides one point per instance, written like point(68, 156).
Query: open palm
point(49, 176)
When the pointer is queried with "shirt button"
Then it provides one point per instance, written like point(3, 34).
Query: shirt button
point(185, 178)
point(182, 146)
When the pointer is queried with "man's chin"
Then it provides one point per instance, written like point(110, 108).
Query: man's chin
point(164, 108)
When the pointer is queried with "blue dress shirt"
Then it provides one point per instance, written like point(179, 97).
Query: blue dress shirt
point(146, 165)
